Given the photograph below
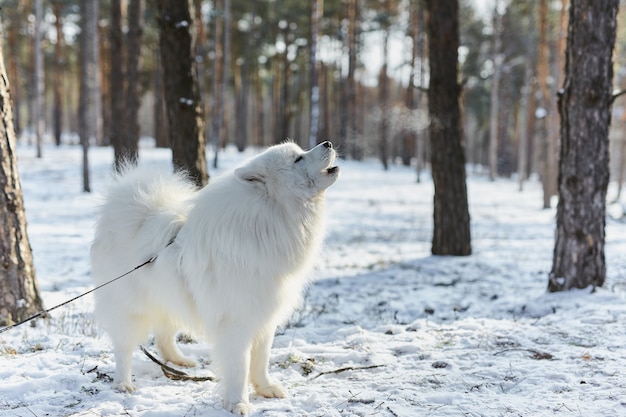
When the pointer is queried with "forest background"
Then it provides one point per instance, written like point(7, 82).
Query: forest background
point(354, 72)
point(259, 64)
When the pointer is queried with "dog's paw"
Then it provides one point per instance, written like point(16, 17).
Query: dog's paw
point(272, 391)
point(125, 386)
point(239, 409)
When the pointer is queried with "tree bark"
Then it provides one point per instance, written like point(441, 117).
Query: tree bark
point(19, 291)
point(182, 98)
point(451, 214)
point(585, 108)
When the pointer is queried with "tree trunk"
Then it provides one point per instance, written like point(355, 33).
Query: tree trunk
point(409, 137)
point(354, 145)
point(38, 116)
point(621, 166)
point(522, 126)
point(526, 112)
point(13, 22)
point(57, 112)
point(19, 292)
point(284, 114)
point(585, 108)
point(116, 83)
point(104, 60)
point(130, 136)
point(451, 214)
point(201, 52)
point(383, 90)
point(314, 106)
point(495, 93)
point(88, 112)
point(217, 108)
point(182, 98)
point(547, 142)
point(125, 82)
point(243, 97)
point(421, 139)
point(160, 113)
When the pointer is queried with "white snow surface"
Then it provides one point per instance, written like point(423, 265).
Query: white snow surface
point(386, 329)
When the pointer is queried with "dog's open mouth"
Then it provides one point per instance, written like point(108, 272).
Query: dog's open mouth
point(332, 170)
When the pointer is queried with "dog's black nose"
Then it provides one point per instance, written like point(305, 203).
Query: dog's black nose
point(327, 144)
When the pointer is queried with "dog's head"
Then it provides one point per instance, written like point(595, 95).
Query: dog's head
point(288, 170)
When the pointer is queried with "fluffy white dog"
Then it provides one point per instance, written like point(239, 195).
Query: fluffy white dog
point(231, 261)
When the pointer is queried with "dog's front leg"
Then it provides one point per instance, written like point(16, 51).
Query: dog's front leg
point(232, 357)
point(260, 356)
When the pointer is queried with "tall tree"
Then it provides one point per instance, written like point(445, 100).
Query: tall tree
point(526, 105)
point(383, 88)
point(131, 133)
point(182, 98)
point(59, 64)
point(124, 80)
point(116, 81)
point(548, 141)
point(314, 108)
point(89, 100)
point(585, 108)
point(349, 113)
point(220, 77)
point(19, 292)
point(243, 95)
point(159, 111)
point(451, 234)
point(494, 113)
point(12, 16)
point(38, 116)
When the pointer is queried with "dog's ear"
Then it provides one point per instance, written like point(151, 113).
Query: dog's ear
point(250, 173)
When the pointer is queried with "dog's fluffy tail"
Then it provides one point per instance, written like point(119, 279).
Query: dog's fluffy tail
point(143, 208)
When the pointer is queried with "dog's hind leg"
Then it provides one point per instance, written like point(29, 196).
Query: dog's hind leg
point(259, 360)
point(165, 335)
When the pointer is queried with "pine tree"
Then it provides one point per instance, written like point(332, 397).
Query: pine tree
point(182, 98)
point(585, 108)
point(451, 234)
point(19, 292)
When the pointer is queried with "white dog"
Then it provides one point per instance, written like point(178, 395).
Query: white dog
point(231, 261)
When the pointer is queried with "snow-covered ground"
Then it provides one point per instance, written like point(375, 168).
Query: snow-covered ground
point(386, 330)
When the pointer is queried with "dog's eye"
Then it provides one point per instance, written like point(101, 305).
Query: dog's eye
point(298, 159)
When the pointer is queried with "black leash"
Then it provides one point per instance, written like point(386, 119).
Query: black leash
point(43, 313)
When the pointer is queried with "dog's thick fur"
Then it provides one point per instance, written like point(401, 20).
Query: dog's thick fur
point(232, 259)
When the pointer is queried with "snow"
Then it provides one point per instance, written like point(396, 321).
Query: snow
point(387, 329)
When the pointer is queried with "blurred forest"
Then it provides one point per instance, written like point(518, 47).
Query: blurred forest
point(351, 71)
